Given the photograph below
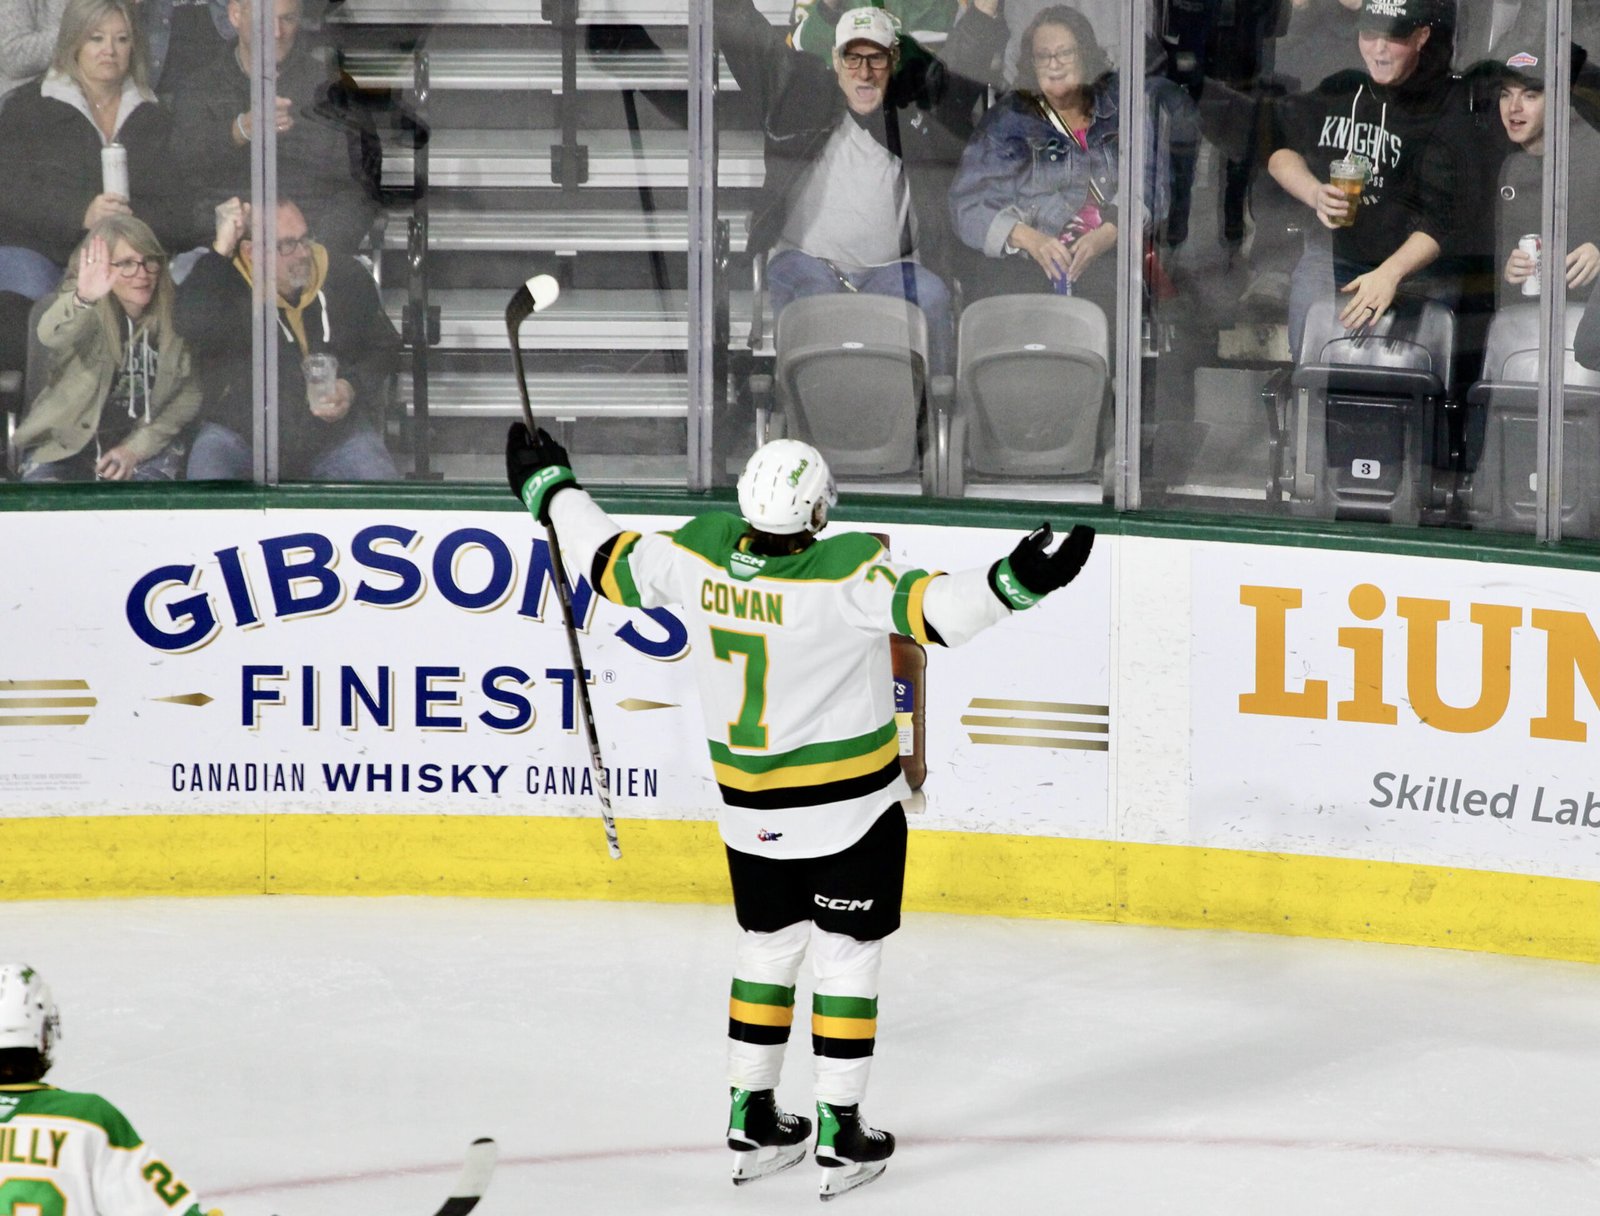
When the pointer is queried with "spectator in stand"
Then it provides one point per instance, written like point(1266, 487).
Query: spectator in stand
point(1522, 113)
point(1106, 17)
point(51, 134)
point(28, 30)
point(121, 388)
point(859, 159)
point(329, 158)
point(327, 305)
point(183, 36)
point(1036, 192)
point(1411, 120)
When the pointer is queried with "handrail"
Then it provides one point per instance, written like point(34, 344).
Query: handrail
point(420, 319)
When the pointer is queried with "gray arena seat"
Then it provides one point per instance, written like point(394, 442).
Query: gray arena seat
point(851, 380)
point(1032, 391)
point(1363, 411)
point(1504, 487)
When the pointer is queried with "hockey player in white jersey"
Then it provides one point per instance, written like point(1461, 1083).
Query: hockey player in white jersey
point(790, 636)
point(63, 1153)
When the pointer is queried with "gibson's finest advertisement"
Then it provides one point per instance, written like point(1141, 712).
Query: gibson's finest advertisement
point(416, 662)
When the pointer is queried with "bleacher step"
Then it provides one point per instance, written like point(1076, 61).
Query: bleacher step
point(556, 396)
point(474, 69)
point(586, 319)
point(526, 12)
point(521, 159)
point(457, 230)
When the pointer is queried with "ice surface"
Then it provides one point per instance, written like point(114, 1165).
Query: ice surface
point(305, 1057)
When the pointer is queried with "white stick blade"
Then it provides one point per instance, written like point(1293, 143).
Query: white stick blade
point(475, 1175)
point(544, 289)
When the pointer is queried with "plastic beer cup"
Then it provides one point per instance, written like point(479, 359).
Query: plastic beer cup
point(1349, 175)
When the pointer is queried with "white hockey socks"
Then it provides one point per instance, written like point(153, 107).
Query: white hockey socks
point(844, 1014)
point(761, 1006)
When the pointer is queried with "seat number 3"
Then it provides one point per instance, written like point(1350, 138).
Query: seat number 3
point(1366, 470)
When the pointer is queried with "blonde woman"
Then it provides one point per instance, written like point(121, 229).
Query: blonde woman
point(95, 93)
point(121, 387)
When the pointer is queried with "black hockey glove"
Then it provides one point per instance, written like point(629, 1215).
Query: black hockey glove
point(537, 468)
point(1031, 572)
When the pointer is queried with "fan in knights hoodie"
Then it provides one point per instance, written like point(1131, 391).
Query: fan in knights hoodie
point(1411, 121)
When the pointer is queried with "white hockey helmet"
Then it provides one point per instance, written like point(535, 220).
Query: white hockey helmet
point(28, 1016)
point(786, 488)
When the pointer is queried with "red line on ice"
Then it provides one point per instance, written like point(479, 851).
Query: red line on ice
point(1106, 1140)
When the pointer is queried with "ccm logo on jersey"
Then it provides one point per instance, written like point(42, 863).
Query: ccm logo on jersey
point(843, 905)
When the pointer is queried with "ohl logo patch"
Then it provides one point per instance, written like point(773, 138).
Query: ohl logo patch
point(766, 837)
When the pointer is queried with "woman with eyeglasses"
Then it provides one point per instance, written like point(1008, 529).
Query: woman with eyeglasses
point(96, 93)
point(120, 387)
point(1036, 193)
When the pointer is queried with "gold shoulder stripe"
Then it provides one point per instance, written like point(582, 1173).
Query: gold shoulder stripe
point(918, 622)
point(609, 587)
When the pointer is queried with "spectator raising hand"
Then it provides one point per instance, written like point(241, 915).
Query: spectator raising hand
point(95, 274)
point(233, 225)
point(120, 390)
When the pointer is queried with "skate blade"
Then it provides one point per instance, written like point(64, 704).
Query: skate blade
point(763, 1162)
point(839, 1179)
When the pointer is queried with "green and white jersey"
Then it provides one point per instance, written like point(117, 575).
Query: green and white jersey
point(69, 1154)
point(793, 664)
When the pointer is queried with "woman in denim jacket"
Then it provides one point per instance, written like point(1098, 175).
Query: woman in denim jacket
point(1036, 192)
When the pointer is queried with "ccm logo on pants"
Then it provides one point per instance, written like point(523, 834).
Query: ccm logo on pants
point(843, 905)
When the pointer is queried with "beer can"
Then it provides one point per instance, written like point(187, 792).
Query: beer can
point(114, 170)
point(1532, 246)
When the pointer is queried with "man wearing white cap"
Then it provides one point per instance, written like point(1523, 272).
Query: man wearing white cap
point(927, 21)
point(860, 153)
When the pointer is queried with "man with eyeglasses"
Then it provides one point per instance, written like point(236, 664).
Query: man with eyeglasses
point(859, 156)
point(327, 306)
point(328, 155)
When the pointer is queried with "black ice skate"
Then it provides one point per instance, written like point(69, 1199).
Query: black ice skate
point(850, 1153)
point(763, 1138)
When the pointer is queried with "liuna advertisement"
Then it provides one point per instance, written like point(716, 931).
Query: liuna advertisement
point(1396, 709)
point(416, 661)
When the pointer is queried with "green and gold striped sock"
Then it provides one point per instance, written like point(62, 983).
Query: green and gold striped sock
point(760, 1013)
point(843, 1027)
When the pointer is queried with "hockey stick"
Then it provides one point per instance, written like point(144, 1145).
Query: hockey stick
point(537, 294)
point(475, 1174)
point(476, 1171)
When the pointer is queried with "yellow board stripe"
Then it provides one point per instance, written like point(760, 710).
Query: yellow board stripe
point(844, 1028)
point(807, 774)
point(677, 861)
point(760, 1015)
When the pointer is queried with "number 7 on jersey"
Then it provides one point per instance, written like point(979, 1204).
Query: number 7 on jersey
point(750, 729)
